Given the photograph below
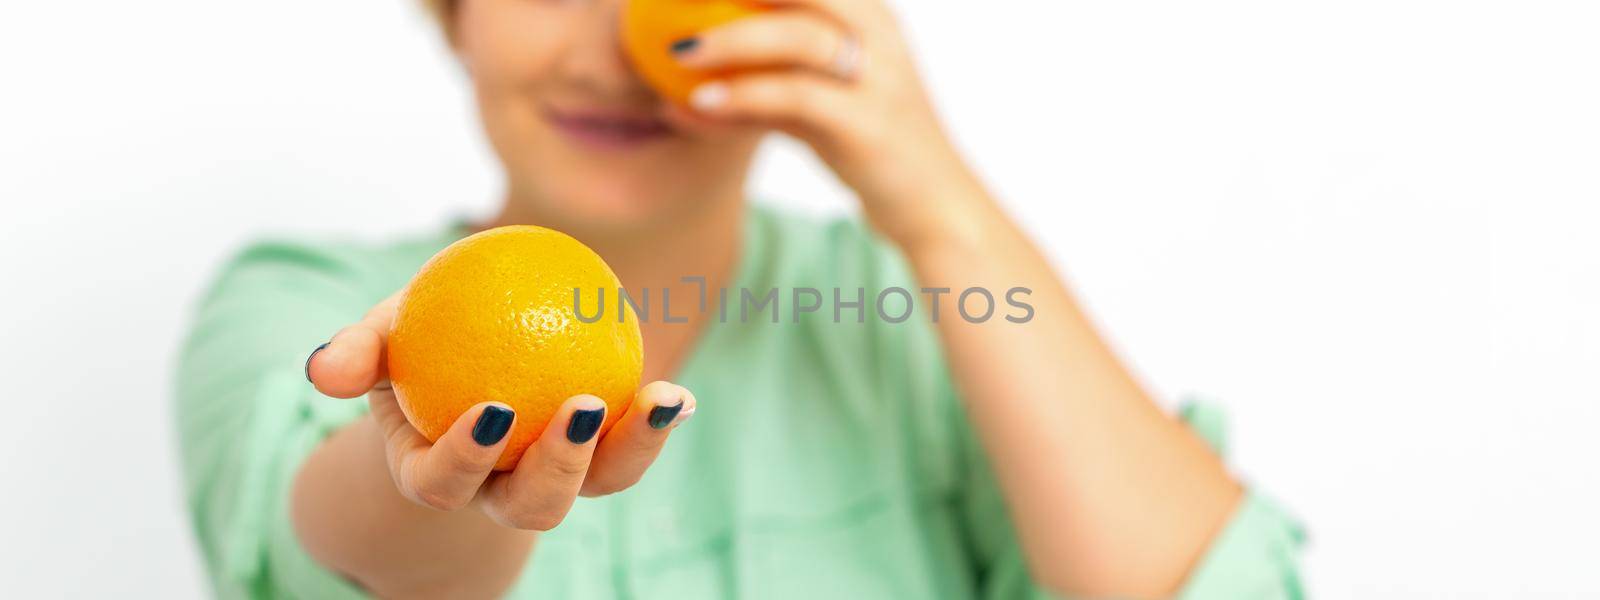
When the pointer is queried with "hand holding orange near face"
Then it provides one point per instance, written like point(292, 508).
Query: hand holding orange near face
point(837, 74)
point(653, 29)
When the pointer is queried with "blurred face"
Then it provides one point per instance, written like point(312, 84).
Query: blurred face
point(583, 141)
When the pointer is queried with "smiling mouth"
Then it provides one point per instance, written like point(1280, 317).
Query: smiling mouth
point(609, 131)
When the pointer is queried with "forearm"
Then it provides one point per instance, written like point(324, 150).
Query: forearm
point(349, 516)
point(1110, 495)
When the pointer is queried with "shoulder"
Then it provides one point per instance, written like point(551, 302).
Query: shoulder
point(324, 265)
point(285, 293)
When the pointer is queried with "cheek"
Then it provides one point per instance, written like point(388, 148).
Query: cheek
point(509, 45)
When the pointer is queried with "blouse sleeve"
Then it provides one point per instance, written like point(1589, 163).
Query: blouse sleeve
point(1253, 557)
point(1254, 554)
point(246, 416)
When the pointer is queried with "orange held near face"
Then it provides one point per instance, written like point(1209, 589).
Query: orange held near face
point(651, 27)
point(491, 318)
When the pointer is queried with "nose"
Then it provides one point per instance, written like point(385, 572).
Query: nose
point(594, 58)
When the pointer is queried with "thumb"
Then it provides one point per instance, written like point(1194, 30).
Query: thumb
point(447, 475)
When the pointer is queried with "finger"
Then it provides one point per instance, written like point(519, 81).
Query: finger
point(632, 445)
point(692, 123)
point(538, 494)
point(446, 475)
point(401, 441)
point(351, 363)
point(787, 100)
point(774, 39)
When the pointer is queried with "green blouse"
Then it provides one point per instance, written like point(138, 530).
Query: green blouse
point(827, 460)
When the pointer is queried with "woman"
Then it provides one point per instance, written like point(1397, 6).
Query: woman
point(935, 457)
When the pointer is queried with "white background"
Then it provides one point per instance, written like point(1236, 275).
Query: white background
point(1366, 227)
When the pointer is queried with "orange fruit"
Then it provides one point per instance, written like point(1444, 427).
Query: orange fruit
point(491, 318)
point(650, 27)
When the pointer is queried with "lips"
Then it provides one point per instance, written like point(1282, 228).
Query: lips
point(609, 130)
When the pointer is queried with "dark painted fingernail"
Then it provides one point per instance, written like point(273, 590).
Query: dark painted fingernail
point(584, 424)
point(662, 416)
point(492, 425)
point(324, 346)
point(685, 45)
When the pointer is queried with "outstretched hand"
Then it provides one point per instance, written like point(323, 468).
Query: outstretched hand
point(569, 459)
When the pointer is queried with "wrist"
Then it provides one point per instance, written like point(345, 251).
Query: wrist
point(948, 212)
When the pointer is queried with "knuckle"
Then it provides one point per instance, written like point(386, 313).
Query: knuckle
point(569, 465)
point(823, 44)
point(757, 93)
point(645, 443)
point(657, 387)
point(437, 498)
point(774, 99)
point(803, 101)
point(346, 330)
point(658, 391)
point(596, 491)
point(537, 520)
point(791, 101)
point(461, 462)
point(740, 38)
point(427, 491)
point(605, 486)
